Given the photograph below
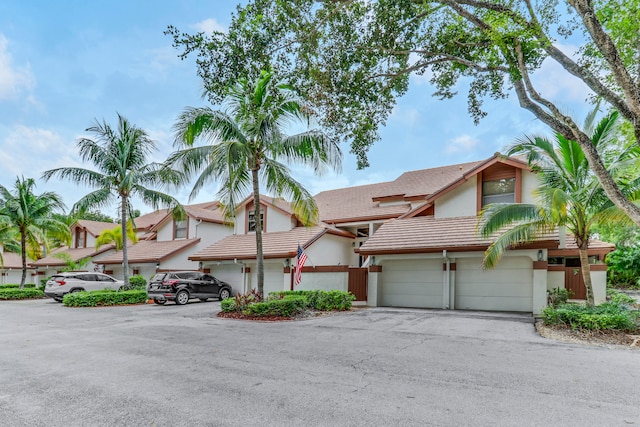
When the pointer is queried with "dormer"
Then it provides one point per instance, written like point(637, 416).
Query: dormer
point(80, 238)
point(499, 183)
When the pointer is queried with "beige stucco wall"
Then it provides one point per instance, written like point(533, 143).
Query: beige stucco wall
point(529, 184)
point(461, 201)
point(555, 279)
point(328, 250)
point(277, 221)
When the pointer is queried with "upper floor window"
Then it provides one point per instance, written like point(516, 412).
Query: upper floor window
point(251, 225)
point(80, 238)
point(180, 229)
point(499, 191)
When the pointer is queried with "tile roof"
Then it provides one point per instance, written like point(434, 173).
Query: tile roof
point(207, 212)
point(146, 221)
point(427, 181)
point(13, 260)
point(76, 255)
point(356, 203)
point(150, 251)
point(429, 234)
point(279, 244)
point(95, 227)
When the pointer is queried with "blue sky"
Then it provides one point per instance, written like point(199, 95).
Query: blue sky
point(64, 64)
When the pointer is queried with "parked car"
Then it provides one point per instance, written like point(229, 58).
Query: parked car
point(75, 281)
point(180, 286)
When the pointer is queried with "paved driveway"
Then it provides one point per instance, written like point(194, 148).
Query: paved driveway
point(182, 366)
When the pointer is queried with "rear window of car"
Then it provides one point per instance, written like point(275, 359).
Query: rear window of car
point(158, 277)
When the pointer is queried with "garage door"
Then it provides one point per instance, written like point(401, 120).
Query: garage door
point(507, 287)
point(412, 283)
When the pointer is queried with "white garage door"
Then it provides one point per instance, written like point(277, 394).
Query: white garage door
point(412, 283)
point(507, 287)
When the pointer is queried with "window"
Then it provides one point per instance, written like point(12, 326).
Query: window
point(80, 238)
point(252, 220)
point(499, 191)
point(180, 229)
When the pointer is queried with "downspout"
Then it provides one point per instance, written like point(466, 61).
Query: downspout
point(446, 294)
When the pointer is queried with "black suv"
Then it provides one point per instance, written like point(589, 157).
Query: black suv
point(180, 286)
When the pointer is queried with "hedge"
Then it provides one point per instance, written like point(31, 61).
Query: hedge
point(606, 316)
point(26, 293)
point(320, 300)
point(16, 286)
point(104, 298)
point(286, 307)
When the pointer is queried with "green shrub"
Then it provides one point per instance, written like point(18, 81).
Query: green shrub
point(228, 305)
point(607, 316)
point(242, 301)
point(619, 298)
point(623, 267)
point(558, 296)
point(26, 293)
point(287, 307)
point(138, 282)
point(320, 300)
point(17, 286)
point(104, 298)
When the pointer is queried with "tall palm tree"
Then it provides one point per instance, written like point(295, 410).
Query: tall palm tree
point(247, 148)
point(31, 216)
point(114, 236)
point(568, 195)
point(120, 156)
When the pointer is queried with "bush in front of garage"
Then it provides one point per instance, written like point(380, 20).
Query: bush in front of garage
point(609, 316)
point(105, 298)
point(16, 294)
point(333, 300)
point(286, 303)
point(287, 307)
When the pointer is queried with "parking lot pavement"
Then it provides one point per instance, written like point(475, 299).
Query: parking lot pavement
point(182, 366)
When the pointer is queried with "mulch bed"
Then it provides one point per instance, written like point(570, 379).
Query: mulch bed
point(597, 338)
point(307, 314)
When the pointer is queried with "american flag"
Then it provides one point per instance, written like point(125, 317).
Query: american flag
point(302, 258)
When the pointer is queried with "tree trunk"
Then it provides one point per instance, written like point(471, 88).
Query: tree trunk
point(256, 209)
point(125, 258)
point(586, 274)
point(23, 244)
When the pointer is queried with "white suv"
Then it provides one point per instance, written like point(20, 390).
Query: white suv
point(75, 281)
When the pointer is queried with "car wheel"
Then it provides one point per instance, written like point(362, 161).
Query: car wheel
point(182, 297)
point(76, 290)
point(204, 299)
point(58, 299)
point(224, 294)
point(159, 301)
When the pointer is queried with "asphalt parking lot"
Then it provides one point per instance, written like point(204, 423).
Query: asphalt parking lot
point(182, 366)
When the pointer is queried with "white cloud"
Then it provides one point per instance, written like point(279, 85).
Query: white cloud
point(462, 144)
point(30, 151)
point(13, 80)
point(209, 25)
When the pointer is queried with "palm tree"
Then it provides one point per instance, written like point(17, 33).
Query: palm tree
point(568, 195)
point(114, 236)
point(31, 216)
point(9, 238)
point(247, 148)
point(121, 157)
